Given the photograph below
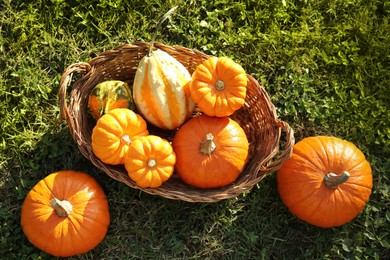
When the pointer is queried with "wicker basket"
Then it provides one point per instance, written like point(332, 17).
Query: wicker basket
point(257, 117)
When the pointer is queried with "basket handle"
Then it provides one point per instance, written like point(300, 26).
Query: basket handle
point(287, 149)
point(66, 78)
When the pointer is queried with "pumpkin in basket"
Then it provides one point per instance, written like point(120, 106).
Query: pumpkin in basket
point(108, 95)
point(65, 214)
point(114, 133)
point(326, 182)
point(210, 152)
point(218, 86)
point(161, 91)
point(150, 161)
point(161, 87)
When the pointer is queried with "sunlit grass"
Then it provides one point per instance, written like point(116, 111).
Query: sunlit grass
point(324, 64)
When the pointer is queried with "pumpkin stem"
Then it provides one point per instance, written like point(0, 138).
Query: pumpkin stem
point(151, 163)
point(125, 139)
point(219, 85)
point(62, 207)
point(333, 180)
point(207, 146)
point(166, 15)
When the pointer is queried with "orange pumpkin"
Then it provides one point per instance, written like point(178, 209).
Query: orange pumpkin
point(326, 182)
point(150, 161)
point(210, 152)
point(109, 95)
point(114, 132)
point(65, 214)
point(218, 86)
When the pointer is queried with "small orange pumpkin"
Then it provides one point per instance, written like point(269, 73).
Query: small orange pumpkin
point(114, 132)
point(326, 182)
point(109, 95)
point(218, 86)
point(150, 161)
point(65, 214)
point(211, 152)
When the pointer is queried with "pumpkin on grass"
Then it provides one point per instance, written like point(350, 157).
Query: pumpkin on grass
point(65, 214)
point(218, 86)
point(161, 88)
point(326, 182)
point(150, 161)
point(114, 132)
point(109, 95)
point(210, 152)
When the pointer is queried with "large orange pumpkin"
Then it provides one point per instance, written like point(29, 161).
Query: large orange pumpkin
point(210, 152)
point(150, 161)
point(114, 132)
point(65, 214)
point(326, 182)
point(218, 86)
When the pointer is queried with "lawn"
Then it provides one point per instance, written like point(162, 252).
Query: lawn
point(325, 65)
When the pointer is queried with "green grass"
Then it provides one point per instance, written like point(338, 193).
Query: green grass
point(325, 65)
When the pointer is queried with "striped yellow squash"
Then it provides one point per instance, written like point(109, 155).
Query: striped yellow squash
point(161, 90)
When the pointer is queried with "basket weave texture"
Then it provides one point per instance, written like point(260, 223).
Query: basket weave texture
point(270, 139)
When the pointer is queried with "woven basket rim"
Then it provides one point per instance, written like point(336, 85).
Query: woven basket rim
point(124, 60)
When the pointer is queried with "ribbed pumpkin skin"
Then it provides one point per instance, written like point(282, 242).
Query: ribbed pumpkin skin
point(109, 95)
point(114, 132)
point(161, 90)
point(303, 190)
point(82, 230)
point(218, 86)
point(223, 165)
point(150, 161)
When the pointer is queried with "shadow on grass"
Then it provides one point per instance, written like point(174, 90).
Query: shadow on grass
point(55, 151)
point(255, 225)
